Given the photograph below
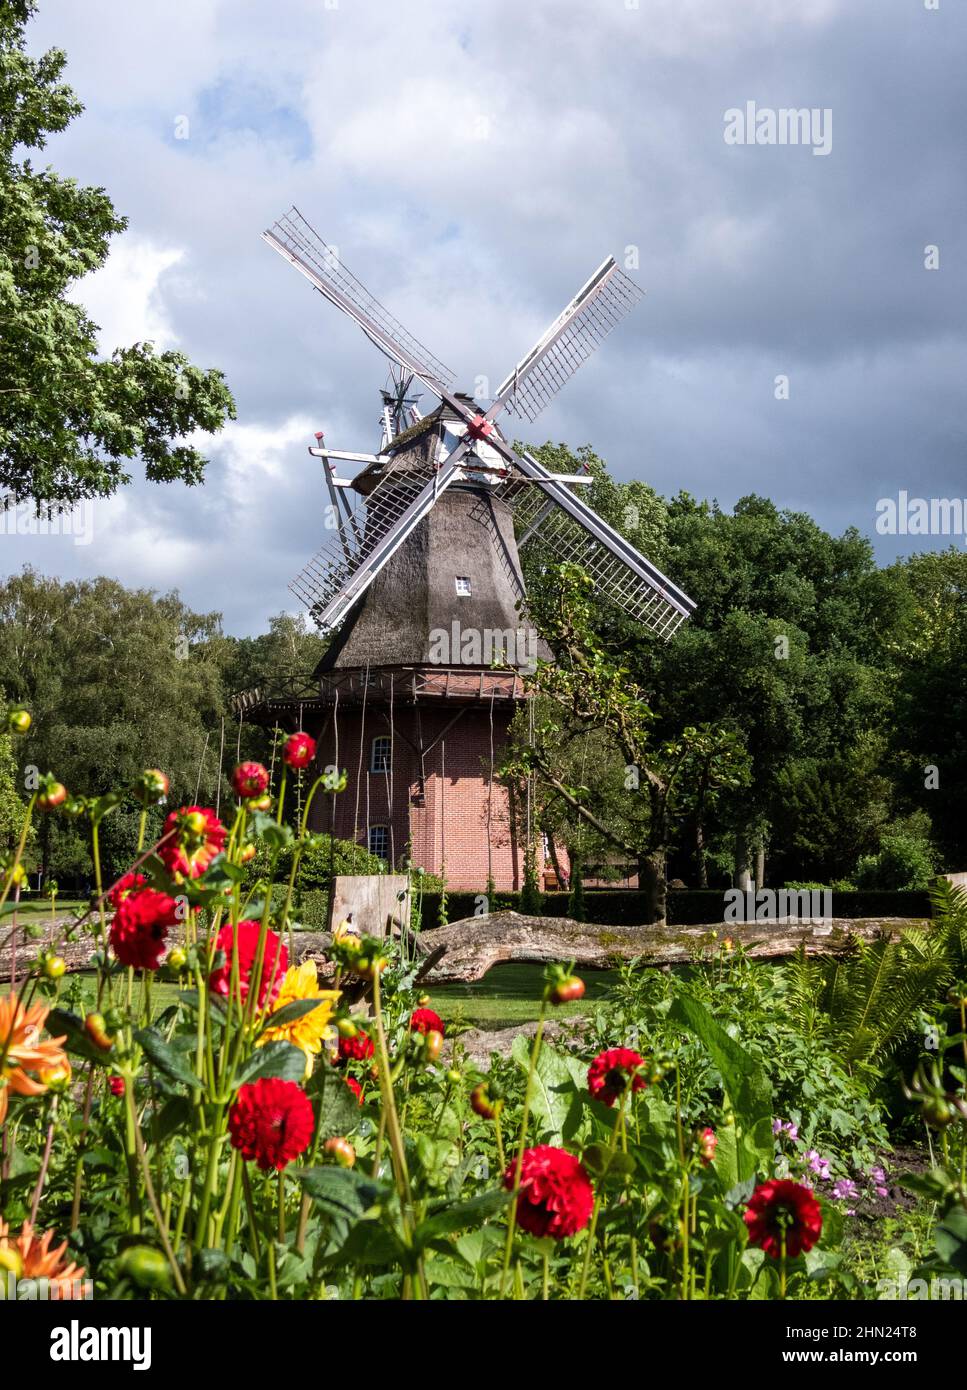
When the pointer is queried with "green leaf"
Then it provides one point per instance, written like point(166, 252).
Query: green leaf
point(950, 1239)
point(462, 1217)
point(290, 1012)
point(555, 1099)
point(342, 1192)
point(602, 1162)
point(747, 1084)
point(174, 1115)
point(265, 828)
point(337, 1108)
point(61, 1021)
point(221, 873)
point(163, 1056)
point(274, 1059)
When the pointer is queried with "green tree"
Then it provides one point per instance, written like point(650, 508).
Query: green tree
point(591, 694)
point(116, 680)
point(69, 420)
point(928, 656)
point(12, 807)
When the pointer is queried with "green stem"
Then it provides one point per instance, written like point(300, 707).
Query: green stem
point(522, 1144)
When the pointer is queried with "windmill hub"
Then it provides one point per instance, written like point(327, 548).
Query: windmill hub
point(480, 427)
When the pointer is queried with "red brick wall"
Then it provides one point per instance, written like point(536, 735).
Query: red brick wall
point(457, 813)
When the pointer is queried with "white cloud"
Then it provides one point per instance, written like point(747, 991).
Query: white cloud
point(124, 297)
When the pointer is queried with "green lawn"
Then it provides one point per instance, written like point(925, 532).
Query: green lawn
point(40, 907)
point(508, 995)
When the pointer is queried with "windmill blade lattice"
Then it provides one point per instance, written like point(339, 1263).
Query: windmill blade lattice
point(597, 308)
point(298, 242)
point(550, 519)
point(343, 569)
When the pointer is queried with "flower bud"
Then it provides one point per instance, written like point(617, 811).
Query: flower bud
point(339, 1150)
point(145, 1266)
point(18, 719)
point(96, 1029)
point(151, 788)
point(54, 794)
point(250, 780)
point(54, 967)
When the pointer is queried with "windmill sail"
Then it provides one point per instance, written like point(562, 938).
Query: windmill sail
point(551, 519)
point(598, 306)
point(343, 569)
point(295, 239)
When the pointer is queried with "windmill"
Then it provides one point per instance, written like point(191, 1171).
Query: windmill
point(548, 515)
point(424, 540)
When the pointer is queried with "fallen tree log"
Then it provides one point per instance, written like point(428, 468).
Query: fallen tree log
point(467, 949)
point(476, 944)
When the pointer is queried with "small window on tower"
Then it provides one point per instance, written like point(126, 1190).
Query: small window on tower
point(380, 759)
point(463, 586)
point(379, 841)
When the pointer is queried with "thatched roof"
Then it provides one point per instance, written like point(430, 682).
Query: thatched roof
point(468, 534)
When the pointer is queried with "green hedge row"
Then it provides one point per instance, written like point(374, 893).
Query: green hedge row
point(686, 907)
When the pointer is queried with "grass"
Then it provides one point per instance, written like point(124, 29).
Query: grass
point(40, 907)
point(508, 995)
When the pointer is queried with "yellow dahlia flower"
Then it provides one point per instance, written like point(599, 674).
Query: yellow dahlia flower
point(311, 1029)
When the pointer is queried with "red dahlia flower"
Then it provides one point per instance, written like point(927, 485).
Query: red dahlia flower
point(299, 751)
point(139, 930)
point(355, 1087)
point(610, 1072)
point(128, 884)
point(555, 1197)
point(198, 837)
point(275, 961)
point(778, 1206)
point(357, 1049)
point(271, 1121)
point(425, 1021)
point(250, 779)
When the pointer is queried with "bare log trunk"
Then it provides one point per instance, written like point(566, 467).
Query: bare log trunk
point(475, 945)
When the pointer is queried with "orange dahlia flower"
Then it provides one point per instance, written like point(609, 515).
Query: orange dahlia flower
point(30, 1258)
point(22, 1051)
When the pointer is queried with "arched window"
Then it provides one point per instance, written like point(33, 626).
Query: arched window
point(380, 756)
point(379, 841)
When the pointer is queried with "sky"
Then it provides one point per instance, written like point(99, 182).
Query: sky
point(803, 333)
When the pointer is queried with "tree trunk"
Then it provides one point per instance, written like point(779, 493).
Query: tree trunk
point(575, 902)
point(563, 880)
point(760, 865)
point(701, 867)
point(742, 875)
point(652, 882)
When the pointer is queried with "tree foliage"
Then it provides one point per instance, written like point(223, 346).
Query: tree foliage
point(71, 421)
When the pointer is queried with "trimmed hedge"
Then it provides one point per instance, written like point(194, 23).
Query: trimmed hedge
point(687, 907)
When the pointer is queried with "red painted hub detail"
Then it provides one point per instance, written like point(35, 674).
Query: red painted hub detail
point(479, 427)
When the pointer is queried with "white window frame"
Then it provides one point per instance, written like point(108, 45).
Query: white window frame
point(463, 579)
point(383, 831)
point(380, 763)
